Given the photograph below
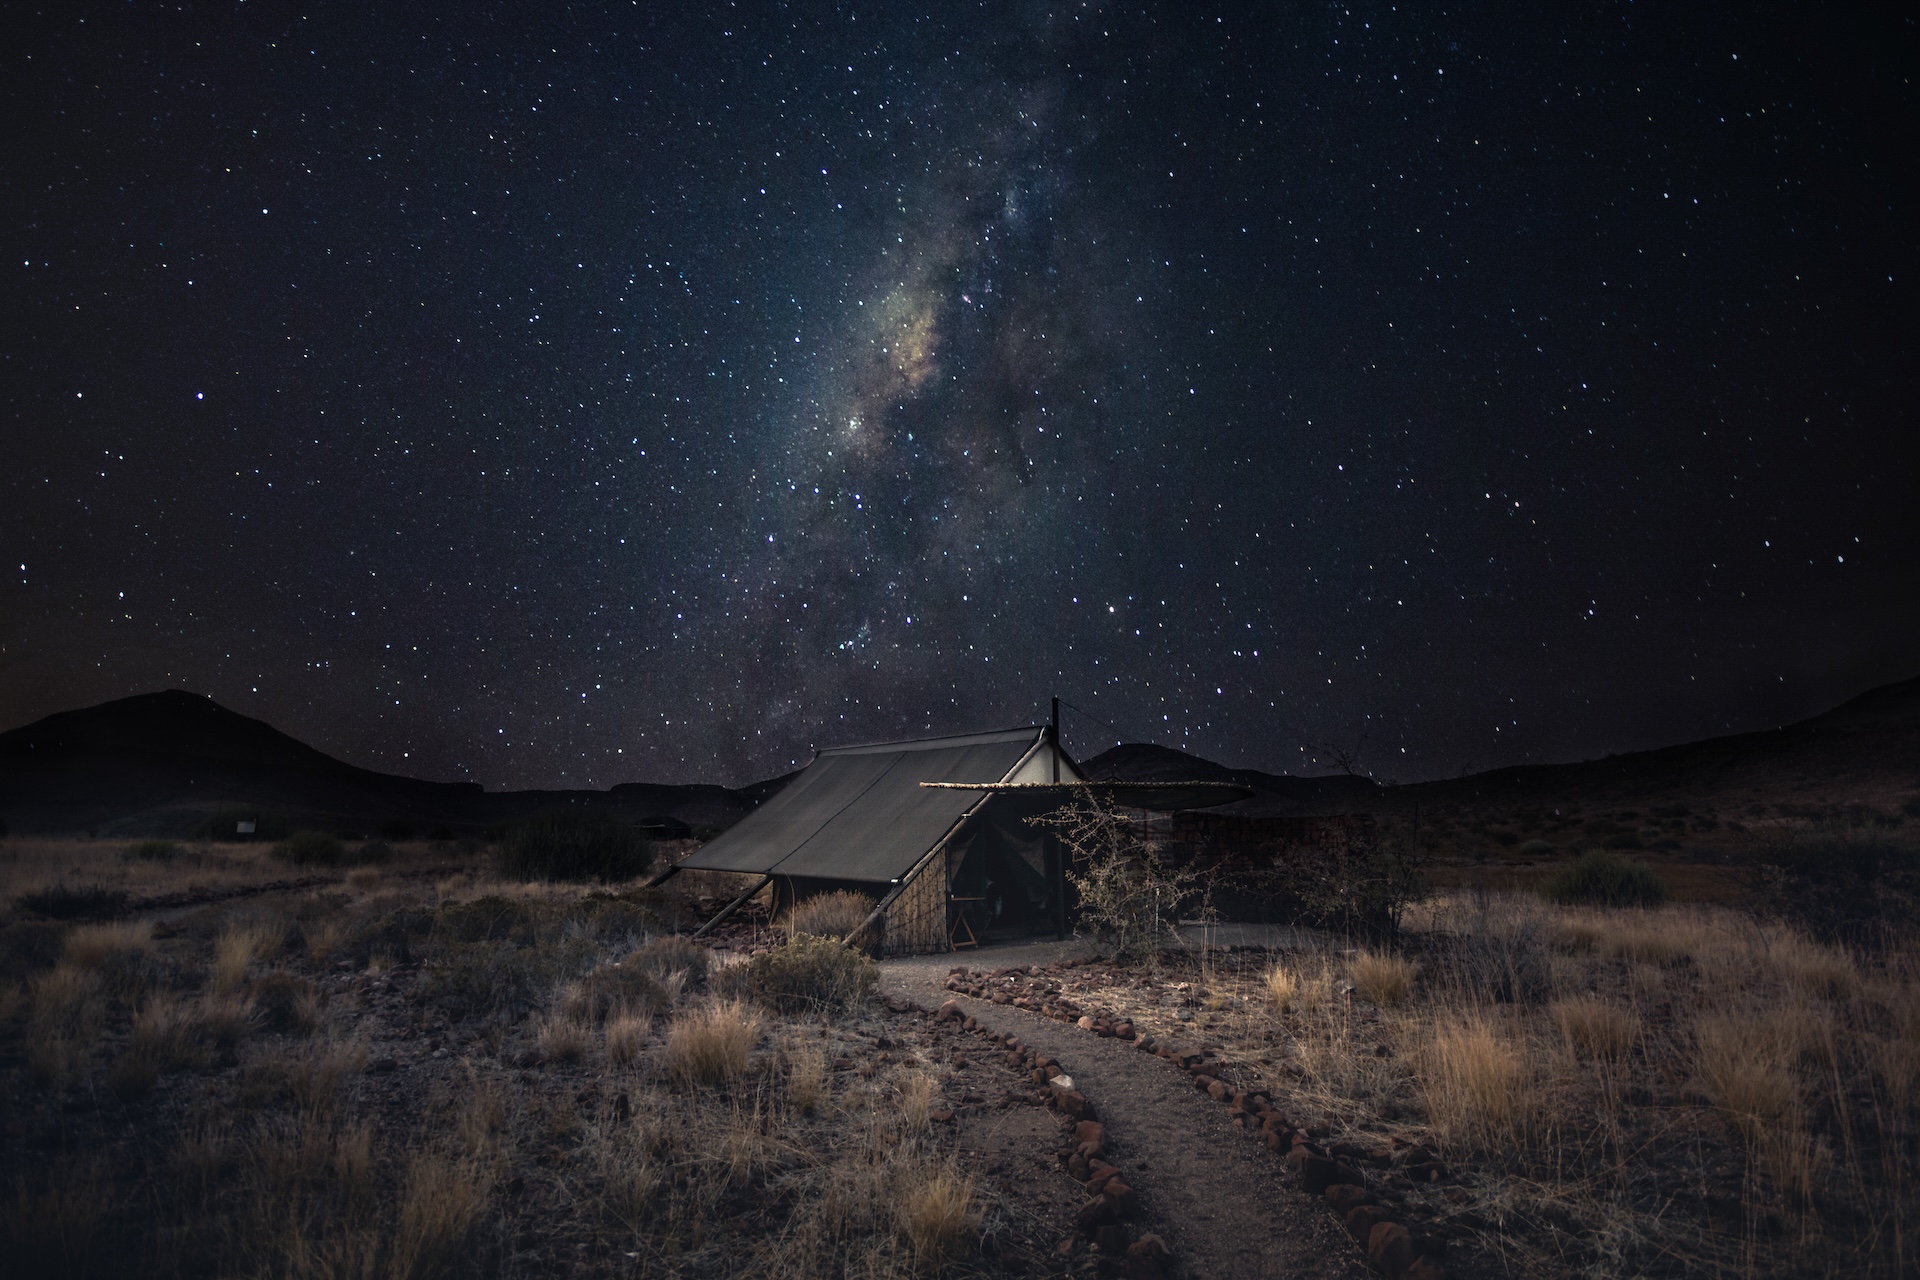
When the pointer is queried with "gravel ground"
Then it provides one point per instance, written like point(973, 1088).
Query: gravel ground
point(1219, 1199)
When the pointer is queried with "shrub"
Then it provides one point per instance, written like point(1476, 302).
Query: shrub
point(77, 902)
point(311, 849)
point(563, 1039)
point(1837, 884)
point(829, 915)
point(1283, 984)
point(671, 954)
point(1513, 969)
point(1538, 848)
point(488, 919)
point(1131, 899)
point(1598, 879)
point(151, 851)
point(711, 1045)
point(573, 844)
point(1382, 978)
point(804, 975)
point(616, 988)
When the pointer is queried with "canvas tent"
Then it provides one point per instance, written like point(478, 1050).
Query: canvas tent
point(941, 862)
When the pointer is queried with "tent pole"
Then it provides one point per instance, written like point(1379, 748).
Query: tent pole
point(733, 906)
point(663, 877)
point(1057, 849)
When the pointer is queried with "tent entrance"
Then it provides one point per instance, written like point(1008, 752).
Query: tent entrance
point(1002, 885)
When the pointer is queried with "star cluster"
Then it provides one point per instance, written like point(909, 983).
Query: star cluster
point(617, 392)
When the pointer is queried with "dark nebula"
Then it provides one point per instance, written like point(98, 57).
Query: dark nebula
point(580, 394)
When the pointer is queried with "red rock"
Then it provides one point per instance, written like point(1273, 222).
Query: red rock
point(1094, 1213)
point(1150, 1246)
point(1112, 1238)
point(940, 1117)
point(1077, 1166)
point(1347, 1174)
point(1273, 1139)
point(1217, 1091)
point(1099, 1178)
point(1126, 1201)
point(950, 1011)
point(1344, 1197)
point(1085, 1022)
point(1390, 1248)
point(1316, 1172)
point(1425, 1269)
point(1362, 1220)
point(1090, 1131)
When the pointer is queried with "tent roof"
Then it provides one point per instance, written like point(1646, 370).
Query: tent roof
point(860, 813)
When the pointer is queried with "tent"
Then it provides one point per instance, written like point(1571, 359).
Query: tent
point(947, 865)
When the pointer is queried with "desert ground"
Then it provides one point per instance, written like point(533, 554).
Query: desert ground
point(216, 1063)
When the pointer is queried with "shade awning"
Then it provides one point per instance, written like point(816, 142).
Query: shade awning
point(860, 813)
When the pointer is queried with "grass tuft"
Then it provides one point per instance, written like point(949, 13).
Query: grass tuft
point(1381, 977)
point(940, 1216)
point(711, 1045)
point(828, 915)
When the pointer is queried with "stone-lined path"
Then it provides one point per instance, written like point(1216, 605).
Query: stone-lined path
point(1218, 1197)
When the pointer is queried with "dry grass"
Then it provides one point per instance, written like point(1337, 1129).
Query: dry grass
point(711, 1045)
point(563, 1038)
point(1283, 985)
point(239, 948)
point(939, 1216)
point(363, 878)
point(442, 1204)
point(807, 1089)
point(916, 1101)
point(625, 1035)
point(91, 946)
point(828, 915)
point(1747, 1067)
point(1381, 977)
point(1476, 1079)
point(1594, 1027)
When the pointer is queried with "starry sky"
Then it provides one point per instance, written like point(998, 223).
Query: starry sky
point(570, 395)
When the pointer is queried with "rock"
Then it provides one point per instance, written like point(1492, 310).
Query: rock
point(1061, 1083)
point(1346, 1174)
point(1078, 1166)
point(1150, 1246)
point(1099, 1178)
point(1126, 1201)
point(1216, 1090)
point(1085, 1022)
point(1362, 1220)
point(1123, 1030)
point(1072, 1104)
point(950, 1012)
point(1425, 1269)
point(1343, 1197)
point(1095, 1213)
point(1390, 1248)
point(1112, 1237)
point(1144, 1268)
point(1316, 1172)
point(1090, 1131)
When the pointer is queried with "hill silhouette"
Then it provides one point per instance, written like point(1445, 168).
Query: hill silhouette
point(167, 762)
point(1867, 750)
point(164, 763)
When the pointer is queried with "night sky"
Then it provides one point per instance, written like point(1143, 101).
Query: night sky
point(583, 394)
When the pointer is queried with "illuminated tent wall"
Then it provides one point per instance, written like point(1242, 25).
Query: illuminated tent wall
point(857, 818)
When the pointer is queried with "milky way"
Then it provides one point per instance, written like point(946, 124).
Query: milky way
point(611, 393)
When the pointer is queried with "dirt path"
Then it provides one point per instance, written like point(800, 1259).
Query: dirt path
point(1219, 1200)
